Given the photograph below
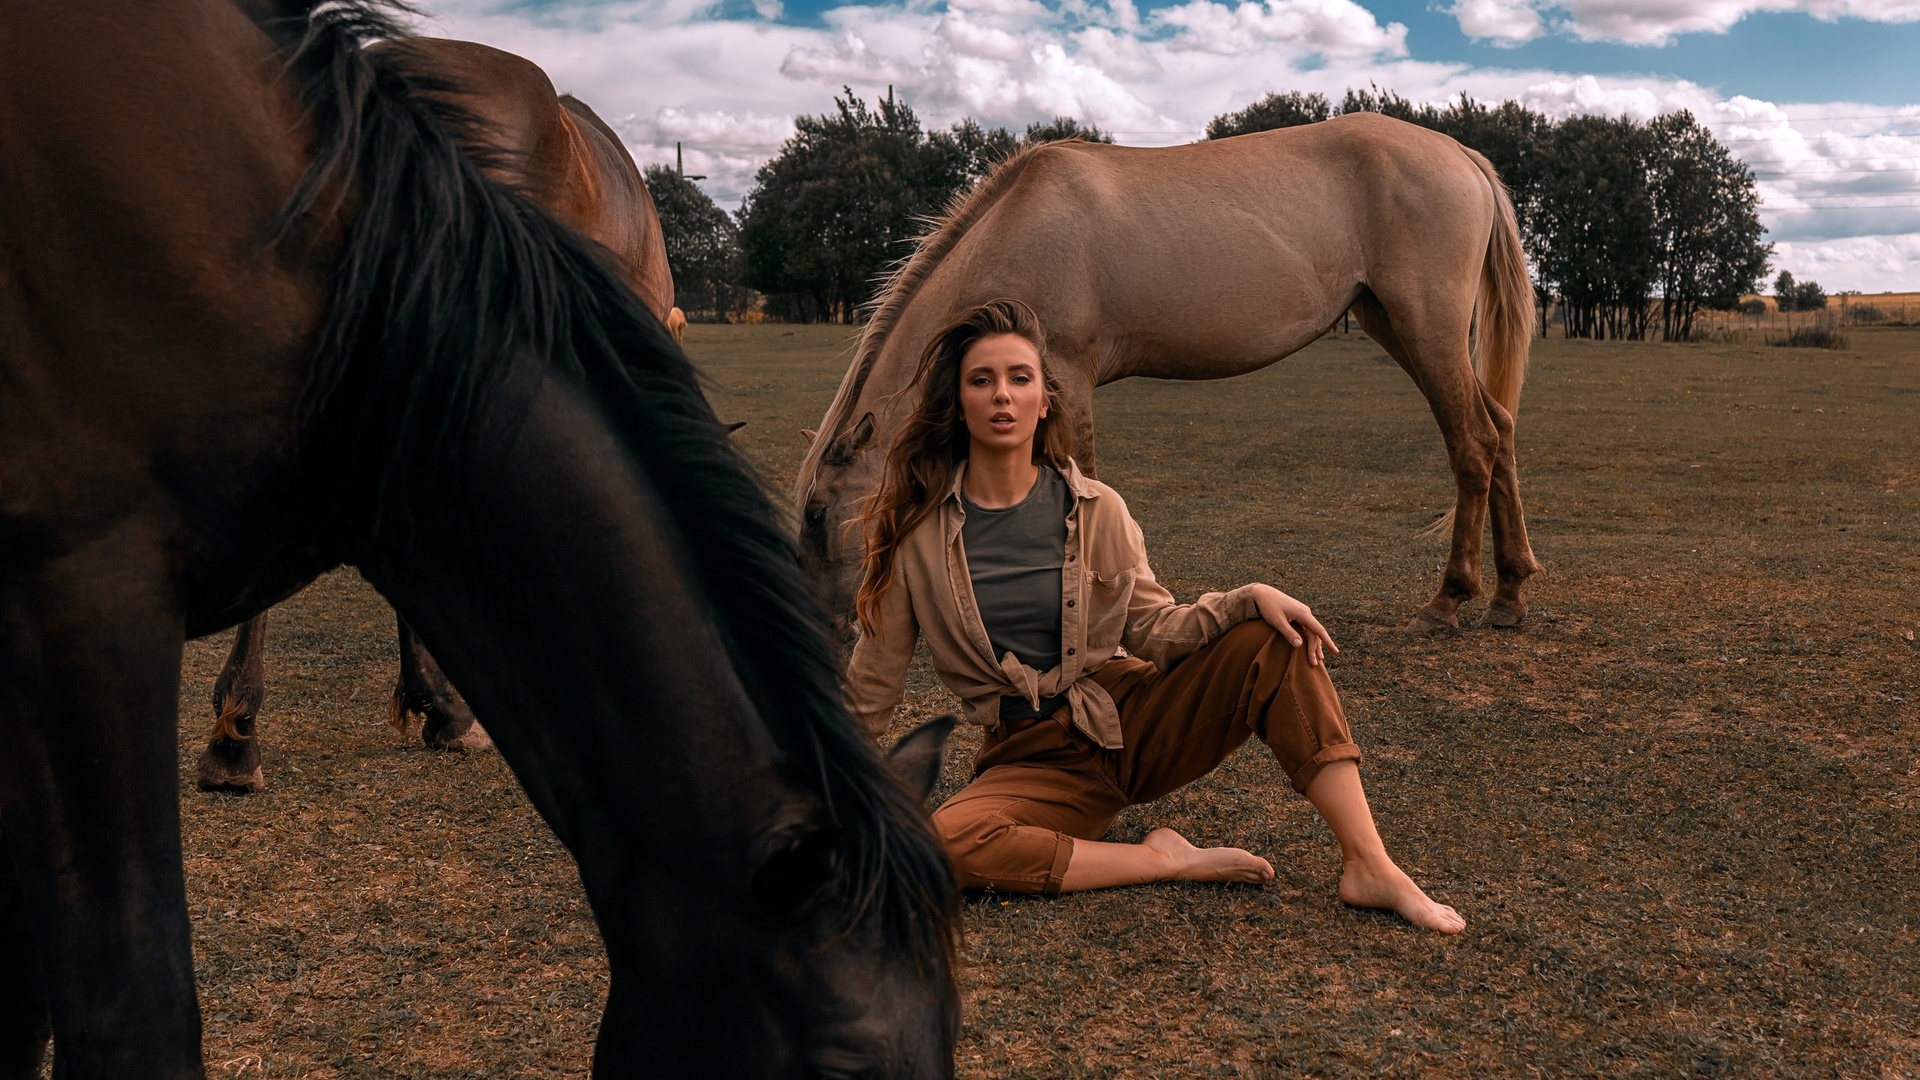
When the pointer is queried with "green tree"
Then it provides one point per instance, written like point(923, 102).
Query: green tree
point(1595, 228)
point(1706, 223)
point(1291, 109)
point(703, 246)
point(1784, 291)
point(1387, 103)
point(839, 203)
point(1809, 296)
point(973, 151)
point(1793, 295)
point(1062, 128)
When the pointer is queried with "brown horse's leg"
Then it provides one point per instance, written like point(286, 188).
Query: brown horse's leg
point(1443, 370)
point(24, 1022)
point(1512, 552)
point(423, 690)
point(231, 760)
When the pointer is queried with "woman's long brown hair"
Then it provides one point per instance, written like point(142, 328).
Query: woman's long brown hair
point(931, 444)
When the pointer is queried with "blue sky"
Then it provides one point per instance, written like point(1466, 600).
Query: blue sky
point(1821, 97)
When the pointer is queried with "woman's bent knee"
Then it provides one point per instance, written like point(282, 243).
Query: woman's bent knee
point(991, 851)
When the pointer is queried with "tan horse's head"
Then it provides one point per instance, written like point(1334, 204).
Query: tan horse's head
point(842, 468)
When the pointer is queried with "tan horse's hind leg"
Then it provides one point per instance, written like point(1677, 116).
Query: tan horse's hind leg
point(1441, 366)
point(1512, 552)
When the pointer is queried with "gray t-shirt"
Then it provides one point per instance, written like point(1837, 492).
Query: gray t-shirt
point(1014, 556)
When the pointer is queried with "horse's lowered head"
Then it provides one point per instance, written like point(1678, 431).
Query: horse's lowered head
point(876, 996)
point(841, 469)
point(824, 971)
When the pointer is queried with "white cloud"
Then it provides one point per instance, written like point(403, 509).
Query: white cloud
point(1652, 22)
point(1867, 264)
point(1333, 28)
point(1504, 22)
point(666, 71)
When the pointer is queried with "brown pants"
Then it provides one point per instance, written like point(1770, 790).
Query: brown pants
point(1038, 789)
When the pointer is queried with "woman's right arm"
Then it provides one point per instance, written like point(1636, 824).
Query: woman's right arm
point(877, 674)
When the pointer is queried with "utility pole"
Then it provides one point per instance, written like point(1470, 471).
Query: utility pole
point(680, 164)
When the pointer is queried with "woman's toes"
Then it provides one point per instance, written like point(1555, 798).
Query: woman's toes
point(1208, 864)
point(1436, 917)
point(1388, 888)
point(1229, 864)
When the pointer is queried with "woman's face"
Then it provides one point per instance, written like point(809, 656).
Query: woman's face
point(1002, 393)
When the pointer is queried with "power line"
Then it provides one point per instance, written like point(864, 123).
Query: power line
point(1827, 209)
point(1868, 135)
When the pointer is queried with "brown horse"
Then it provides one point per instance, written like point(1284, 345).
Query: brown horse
point(260, 314)
point(1208, 261)
point(557, 151)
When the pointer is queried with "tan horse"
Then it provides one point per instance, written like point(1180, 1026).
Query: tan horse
point(1208, 261)
point(555, 149)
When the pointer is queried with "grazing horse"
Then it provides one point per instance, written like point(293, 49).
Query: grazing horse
point(260, 314)
point(1208, 261)
point(555, 150)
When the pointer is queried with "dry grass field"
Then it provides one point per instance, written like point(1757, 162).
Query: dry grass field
point(1680, 807)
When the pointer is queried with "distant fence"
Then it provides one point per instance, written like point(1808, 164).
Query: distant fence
point(1758, 321)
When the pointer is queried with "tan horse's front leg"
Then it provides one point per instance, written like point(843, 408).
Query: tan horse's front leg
point(1076, 401)
point(1441, 367)
point(1512, 552)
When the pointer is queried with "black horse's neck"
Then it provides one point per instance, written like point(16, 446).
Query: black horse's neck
point(546, 495)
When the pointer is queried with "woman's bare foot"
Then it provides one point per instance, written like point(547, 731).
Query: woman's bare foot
point(1376, 882)
point(1189, 863)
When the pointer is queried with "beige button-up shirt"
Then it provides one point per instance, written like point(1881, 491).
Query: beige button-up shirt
point(1110, 602)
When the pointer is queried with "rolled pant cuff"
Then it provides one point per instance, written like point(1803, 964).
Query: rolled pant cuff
point(1062, 855)
point(1328, 755)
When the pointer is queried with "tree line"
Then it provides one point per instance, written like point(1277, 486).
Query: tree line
point(1631, 227)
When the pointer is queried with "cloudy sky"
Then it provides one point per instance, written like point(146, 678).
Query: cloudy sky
point(1821, 97)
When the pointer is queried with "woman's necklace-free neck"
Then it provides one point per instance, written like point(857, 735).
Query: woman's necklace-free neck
point(997, 479)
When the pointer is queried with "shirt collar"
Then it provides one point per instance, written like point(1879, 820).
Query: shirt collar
point(1077, 482)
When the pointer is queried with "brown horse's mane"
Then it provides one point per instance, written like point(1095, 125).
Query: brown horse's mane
point(899, 285)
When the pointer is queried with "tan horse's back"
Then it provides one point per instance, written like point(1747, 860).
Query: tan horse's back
point(557, 150)
point(1144, 248)
point(1211, 260)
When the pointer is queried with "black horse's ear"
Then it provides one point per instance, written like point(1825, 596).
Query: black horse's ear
point(915, 759)
point(799, 861)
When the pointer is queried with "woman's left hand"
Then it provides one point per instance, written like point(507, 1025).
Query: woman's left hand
point(1295, 621)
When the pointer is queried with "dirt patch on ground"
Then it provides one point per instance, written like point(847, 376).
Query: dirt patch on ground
point(1681, 806)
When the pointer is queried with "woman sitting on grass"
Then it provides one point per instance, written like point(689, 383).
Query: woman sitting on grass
point(1030, 583)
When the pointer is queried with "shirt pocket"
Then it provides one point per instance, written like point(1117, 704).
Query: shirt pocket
point(1107, 599)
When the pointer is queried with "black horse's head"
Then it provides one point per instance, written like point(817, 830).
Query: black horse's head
point(828, 955)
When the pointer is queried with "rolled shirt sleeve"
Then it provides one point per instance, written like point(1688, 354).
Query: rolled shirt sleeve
point(1163, 632)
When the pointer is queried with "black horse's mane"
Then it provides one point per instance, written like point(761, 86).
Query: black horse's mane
point(445, 278)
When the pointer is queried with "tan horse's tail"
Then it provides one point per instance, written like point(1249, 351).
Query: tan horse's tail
point(1503, 313)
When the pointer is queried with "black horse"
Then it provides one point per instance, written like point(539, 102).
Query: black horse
point(259, 315)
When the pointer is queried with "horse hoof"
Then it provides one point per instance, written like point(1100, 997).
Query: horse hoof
point(474, 738)
point(216, 779)
point(230, 765)
point(1425, 625)
point(1505, 616)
